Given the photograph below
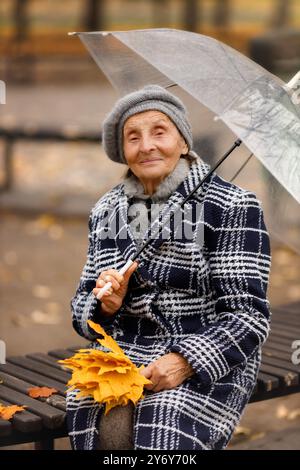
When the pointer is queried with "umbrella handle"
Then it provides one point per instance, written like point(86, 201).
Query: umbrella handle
point(108, 285)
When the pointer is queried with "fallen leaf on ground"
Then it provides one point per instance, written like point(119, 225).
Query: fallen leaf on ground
point(44, 392)
point(7, 412)
point(45, 220)
point(294, 414)
point(45, 318)
point(282, 412)
point(242, 431)
point(109, 377)
point(258, 435)
point(41, 292)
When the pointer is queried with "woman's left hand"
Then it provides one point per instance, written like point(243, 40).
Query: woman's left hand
point(167, 372)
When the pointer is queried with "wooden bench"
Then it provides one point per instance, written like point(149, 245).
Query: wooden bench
point(44, 419)
point(15, 134)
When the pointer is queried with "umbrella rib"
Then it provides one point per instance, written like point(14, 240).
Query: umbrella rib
point(232, 63)
point(242, 167)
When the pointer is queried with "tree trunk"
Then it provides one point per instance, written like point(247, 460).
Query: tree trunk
point(94, 15)
point(221, 13)
point(281, 13)
point(190, 15)
point(160, 13)
point(20, 19)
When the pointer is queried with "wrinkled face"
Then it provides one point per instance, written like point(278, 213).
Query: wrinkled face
point(152, 145)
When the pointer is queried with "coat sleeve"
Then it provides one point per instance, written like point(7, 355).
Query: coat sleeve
point(239, 257)
point(84, 305)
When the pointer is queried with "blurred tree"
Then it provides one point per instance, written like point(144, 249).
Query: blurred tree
point(93, 15)
point(20, 19)
point(191, 15)
point(19, 62)
point(221, 13)
point(160, 13)
point(281, 13)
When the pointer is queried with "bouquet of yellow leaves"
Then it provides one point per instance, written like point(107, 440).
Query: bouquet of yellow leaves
point(109, 377)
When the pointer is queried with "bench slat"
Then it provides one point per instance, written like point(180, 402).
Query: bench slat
point(289, 322)
point(60, 353)
point(25, 421)
point(5, 428)
point(46, 359)
point(295, 329)
point(286, 377)
point(35, 366)
point(277, 338)
point(284, 333)
point(22, 386)
point(29, 376)
point(76, 348)
point(272, 344)
point(288, 365)
point(52, 417)
point(280, 312)
point(286, 356)
point(57, 401)
point(267, 382)
point(283, 321)
point(289, 308)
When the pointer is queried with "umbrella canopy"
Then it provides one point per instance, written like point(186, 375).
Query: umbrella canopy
point(254, 104)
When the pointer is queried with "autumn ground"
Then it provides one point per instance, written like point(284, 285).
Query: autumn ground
point(42, 254)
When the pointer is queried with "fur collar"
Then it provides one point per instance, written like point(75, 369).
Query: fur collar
point(133, 188)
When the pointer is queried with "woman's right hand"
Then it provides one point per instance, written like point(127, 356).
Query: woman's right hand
point(112, 299)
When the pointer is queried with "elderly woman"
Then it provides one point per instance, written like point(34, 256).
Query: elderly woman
point(193, 309)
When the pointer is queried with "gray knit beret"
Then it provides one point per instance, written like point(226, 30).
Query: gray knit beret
point(151, 97)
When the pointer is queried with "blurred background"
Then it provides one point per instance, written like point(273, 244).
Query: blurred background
point(53, 168)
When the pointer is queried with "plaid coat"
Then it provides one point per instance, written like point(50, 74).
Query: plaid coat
point(204, 299)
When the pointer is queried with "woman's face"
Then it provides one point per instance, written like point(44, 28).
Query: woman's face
point(152, 146)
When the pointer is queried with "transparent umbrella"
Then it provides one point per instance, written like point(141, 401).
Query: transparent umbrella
point(229, 95)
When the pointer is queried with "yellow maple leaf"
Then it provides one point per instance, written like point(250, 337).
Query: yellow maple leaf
point(108, 342)
point(108, 376)
point(7, 412)
point(45, 392)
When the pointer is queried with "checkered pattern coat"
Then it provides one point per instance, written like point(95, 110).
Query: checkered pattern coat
point(206, 301)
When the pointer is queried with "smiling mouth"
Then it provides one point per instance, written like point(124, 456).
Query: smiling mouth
point(151, 160)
